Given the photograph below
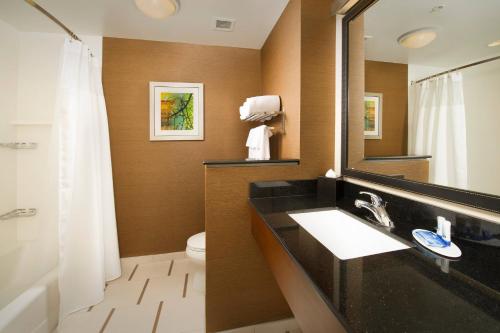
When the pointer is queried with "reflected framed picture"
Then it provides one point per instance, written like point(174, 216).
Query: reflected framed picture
point(176, 111)
point(373, 116)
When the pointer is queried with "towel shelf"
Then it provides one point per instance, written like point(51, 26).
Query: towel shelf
point(21, 212)
point(263, 116)
point(268, 116)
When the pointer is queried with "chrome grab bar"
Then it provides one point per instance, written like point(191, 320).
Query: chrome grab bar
point(19, 145)
point(20, 212)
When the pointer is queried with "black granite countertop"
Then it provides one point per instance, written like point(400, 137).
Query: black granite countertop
point(402, 291)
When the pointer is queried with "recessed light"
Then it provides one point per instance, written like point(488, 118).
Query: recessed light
point(157, 9)
point(418, 38)
point(495, 43)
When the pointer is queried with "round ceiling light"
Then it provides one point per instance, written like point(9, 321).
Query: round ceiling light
point(416, 39)
point(157, 9)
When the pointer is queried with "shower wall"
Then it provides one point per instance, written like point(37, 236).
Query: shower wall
point(29, 245)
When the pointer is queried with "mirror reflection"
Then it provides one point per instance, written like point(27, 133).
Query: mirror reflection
point(424, 81)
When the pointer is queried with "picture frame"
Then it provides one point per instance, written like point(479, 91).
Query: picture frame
point(176, 111)
point(373, 103)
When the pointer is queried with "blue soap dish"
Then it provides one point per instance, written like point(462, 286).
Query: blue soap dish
point(435, 243)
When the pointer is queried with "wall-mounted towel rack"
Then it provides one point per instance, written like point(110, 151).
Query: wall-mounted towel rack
point(19, 145)
point(263, 116)
point(20, 212)
point(268, 116)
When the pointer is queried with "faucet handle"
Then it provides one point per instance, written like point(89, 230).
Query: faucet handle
point(376, 200)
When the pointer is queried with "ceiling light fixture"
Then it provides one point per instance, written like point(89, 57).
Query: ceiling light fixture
point(418, 38)
point(495, 43)
point(157, 9)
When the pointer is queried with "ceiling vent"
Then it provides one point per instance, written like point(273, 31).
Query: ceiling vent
point(223, 24)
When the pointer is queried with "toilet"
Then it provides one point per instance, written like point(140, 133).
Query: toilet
point(195, 250)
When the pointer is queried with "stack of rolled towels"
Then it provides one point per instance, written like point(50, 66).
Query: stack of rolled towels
point(260, 105)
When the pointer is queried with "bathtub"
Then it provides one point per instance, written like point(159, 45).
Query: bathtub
point(34, 311)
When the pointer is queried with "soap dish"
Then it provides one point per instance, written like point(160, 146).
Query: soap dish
point(434, 243)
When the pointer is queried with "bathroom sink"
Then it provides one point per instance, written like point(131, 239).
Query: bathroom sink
point(345, 235)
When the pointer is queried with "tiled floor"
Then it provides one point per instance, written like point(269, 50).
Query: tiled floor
point(155, 294)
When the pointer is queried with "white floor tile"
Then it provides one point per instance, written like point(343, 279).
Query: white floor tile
point(133, 319)
point(151, 269)
point(183, 315)
point(136, 260)
point(120, 294)
point(84, 322)
point(169, 256)
point(183, 266)
point(164, 288)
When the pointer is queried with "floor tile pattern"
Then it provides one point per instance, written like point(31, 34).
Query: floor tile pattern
point(155, 294)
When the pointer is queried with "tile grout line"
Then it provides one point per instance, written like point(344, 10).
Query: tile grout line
point(185, 286)
point(133, 272)
point(171, 266)
point(143, 291)
point(106, 322)
point(157, 319)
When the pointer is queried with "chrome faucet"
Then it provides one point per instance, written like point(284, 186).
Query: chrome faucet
point(377, 207)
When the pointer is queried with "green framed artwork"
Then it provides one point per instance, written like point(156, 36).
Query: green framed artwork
point(176, 111)
point(373, 116)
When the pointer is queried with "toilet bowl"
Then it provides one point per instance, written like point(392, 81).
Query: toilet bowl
point(195, 250)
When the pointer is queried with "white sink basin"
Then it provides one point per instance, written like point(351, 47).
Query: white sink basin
point(345, 236)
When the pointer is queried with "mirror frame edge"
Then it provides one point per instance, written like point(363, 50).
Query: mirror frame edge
point(474, 199)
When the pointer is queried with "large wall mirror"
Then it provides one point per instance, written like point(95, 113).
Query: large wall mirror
point(421, 88)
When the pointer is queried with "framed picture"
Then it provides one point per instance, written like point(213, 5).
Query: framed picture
point(373, 116)
point(176, 111)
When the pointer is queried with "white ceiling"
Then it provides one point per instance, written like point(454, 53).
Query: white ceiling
point(120, 18)
point(465, 28)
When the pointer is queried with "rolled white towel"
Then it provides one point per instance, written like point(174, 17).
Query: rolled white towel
point(263, 104)
point(244, 111)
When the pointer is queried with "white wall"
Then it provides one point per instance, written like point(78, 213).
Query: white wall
point(9, 42)
point(482, 113)
point(31, 249)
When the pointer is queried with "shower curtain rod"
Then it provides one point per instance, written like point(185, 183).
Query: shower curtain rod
point(456, 69)
point(53, 18)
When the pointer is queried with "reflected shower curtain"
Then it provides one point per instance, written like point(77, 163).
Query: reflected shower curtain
point(88, 243)
point(436, 126)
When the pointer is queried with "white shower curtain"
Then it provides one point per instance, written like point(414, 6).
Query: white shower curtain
point(436, 126)
point(88, 243)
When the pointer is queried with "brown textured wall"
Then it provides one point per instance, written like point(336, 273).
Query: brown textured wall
point(281, 76)
point(356, 142)
point(159, 186)
point(417, 170)
point(240, 288)
point(391, 80)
